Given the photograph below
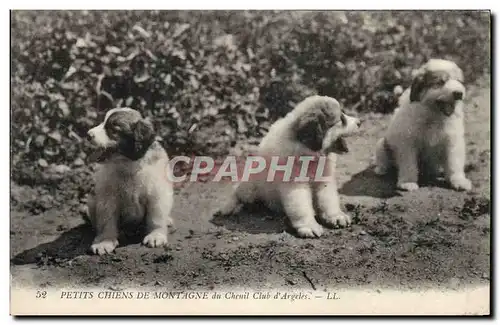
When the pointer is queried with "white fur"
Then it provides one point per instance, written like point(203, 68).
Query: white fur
point(418, 130)
point(130, 191)
point(294, 198)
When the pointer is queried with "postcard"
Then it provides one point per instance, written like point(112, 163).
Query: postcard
point(250, 162)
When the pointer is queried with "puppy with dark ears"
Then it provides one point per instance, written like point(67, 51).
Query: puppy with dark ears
point(438, 89)
point(312, 128)
point(131, 184)
point(427, 130)
point(316, 126)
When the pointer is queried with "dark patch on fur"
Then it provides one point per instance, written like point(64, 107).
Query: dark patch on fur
point(133, 134)
point(340, 146)
point(426, 81)
point(312, 126)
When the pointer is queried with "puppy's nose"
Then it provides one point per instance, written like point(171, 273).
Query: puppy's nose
point(458, 95)
point(90, 134)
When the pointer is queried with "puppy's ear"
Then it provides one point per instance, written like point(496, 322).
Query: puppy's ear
point(417, 87)
point(143, 136)
point(137, 139)
point(311, 129)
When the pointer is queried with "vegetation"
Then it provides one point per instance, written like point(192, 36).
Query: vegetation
point(209, 79)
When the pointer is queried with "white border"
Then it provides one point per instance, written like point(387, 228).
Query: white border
point(186, 4)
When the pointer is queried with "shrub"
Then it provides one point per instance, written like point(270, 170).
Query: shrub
point(211, 78)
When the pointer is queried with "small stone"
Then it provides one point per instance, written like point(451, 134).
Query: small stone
point(114, 288)
point(235, 238)
point(178, 248)
point(485, 276)
point(158, 283)
point(362, 232)
point(379, 291)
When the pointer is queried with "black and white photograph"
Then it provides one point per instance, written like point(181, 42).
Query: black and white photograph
point(250, 162)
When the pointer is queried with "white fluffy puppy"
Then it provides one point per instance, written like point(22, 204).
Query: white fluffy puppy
point(131, 184)
point(426, 132)
point(316, 125)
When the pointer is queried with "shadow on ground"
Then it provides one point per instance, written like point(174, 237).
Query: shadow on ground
point(70, 244)
point(253, 219)
point(367, 183)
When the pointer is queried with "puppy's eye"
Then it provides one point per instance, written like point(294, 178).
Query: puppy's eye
point(113, 128)
point(439, 82)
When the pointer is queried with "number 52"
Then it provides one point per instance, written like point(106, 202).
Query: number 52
point(41, 294)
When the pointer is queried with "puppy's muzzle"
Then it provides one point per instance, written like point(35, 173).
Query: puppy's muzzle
point(458, 95)
point(339, 144)
point(92, 136)
point(98, 136)
point(446, 104)
point(454, 91)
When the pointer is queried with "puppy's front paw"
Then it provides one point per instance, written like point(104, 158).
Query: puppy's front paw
point(104, 247)
point(460, 183)
point(155, 239)
point(410, 186)
point(336, 220)
point(309, 231)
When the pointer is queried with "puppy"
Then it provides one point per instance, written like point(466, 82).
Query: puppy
point(316, 125)
point(131, 184)
point(426, 132)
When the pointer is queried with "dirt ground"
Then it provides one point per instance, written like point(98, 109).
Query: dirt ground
point(434, 237)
